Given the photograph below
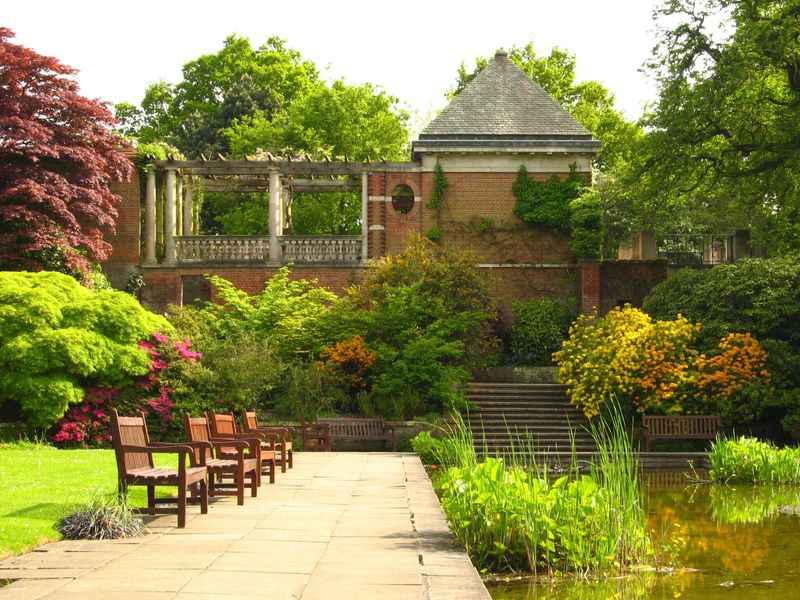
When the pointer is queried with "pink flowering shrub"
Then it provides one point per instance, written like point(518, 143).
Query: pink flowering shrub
point(172, 387)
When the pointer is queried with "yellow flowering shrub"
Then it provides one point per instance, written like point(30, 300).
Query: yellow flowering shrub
point(626, 354)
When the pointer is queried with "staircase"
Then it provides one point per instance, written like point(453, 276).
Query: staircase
point(525, 417)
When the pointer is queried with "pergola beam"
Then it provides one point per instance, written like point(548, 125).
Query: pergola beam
point(284, 167)
point(297, 185)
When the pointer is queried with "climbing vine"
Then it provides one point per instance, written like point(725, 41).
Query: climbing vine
point(440, 185)
point(546, 202)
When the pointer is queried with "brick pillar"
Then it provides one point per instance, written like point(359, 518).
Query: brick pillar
point(376, 215)
point(590, 285)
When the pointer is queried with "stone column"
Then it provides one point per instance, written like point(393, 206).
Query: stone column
point(170, 251)
point(275, 209)
point(150, 218)
point(179, 206)
point(188, 212)
point(364, 217)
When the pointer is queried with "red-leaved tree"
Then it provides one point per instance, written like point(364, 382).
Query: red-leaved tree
point(57, 159)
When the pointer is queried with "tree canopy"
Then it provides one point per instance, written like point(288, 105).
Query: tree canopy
point(589, 102)
point(722, 149)
point(57, 159)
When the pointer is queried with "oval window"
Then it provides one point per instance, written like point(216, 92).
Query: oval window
point(403, 199)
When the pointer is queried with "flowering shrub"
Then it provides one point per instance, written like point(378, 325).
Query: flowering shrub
point(349, 361)
point(654, 364)
point(152, 394)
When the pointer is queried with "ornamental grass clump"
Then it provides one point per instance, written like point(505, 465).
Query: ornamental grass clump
point(101, 519)
point(749, 460)
point(512, 517)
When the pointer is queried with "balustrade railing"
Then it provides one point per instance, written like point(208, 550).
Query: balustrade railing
point(222, 249)
point(318, 249)
point(202, 249)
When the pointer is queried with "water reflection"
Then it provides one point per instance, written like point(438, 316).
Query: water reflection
point(734, 542)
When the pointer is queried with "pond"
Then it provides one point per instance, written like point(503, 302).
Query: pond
point(729, 542)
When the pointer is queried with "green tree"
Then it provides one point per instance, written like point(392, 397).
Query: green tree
point(724, 136)
point(218, 89)
point(589, 102)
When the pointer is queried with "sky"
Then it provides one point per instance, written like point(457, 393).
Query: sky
point(411, 48)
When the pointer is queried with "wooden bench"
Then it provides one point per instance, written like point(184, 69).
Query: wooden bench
point(679, 427)
point(359, 429)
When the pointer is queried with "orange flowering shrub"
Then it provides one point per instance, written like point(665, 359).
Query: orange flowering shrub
point(349, 361)
point(741, 361)
point(654, 365)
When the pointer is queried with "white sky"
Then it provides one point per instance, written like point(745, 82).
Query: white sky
point(411, 48)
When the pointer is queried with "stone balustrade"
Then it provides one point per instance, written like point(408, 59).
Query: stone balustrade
point(321, 249)
point(232, 249)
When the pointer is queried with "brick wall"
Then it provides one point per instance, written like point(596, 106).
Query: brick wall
point(124, 258)
point(164, 286)
point(629, 281)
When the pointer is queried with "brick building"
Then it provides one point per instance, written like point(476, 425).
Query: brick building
point(500, 121)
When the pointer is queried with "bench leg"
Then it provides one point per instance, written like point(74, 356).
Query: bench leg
point(181, 506)
point(203, 497)
point(291, 459)
point(151, 499)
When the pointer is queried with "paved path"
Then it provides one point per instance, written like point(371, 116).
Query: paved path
point(339, 525)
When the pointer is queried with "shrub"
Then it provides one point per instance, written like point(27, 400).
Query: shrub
point(540, 327)
point(655, 365)
point(349, 362)
point(760, 297)
point(749, 460)
point(58, 337)
point(101, 519)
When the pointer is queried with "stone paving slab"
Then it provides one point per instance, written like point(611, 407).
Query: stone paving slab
point(342, 525)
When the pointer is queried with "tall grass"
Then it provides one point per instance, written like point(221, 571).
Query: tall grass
point(511, 515)
point(749, 460)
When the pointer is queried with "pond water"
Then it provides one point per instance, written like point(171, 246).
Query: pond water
point(732, 542)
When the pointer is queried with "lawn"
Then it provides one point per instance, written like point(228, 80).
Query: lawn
point(39, 484)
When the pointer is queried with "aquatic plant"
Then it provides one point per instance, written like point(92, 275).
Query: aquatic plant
point(511, 516)
point(749, 460)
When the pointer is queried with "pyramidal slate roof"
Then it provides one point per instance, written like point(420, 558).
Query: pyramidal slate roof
point(502, 104)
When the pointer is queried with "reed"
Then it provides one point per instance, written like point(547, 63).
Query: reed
point(749, 460)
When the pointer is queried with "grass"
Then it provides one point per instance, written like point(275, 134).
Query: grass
point(749, 460)
point(39, 485)
point(513, 516)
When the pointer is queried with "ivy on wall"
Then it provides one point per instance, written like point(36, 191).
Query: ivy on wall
point(566, 205)
point(440, 185)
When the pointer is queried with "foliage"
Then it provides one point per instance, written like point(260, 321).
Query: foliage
point(216, 90)
point(164, 395)
point(57, 160)
point(349, 362)
point(286, 313)
point(399, 343)
point(748, 460)
point(440, 185)
point(756, 296)
point(434, 234)
point(56, 337)
point(589, 102)
point(101, 519)
point(655, 365)
point(586, 224)
point(509, 517)
point(723, 137)
point(540, 327)
point(545, 202)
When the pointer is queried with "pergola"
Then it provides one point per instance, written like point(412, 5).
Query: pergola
point(281, 177)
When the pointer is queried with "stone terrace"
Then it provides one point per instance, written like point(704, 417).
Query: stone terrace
point(338, 525)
